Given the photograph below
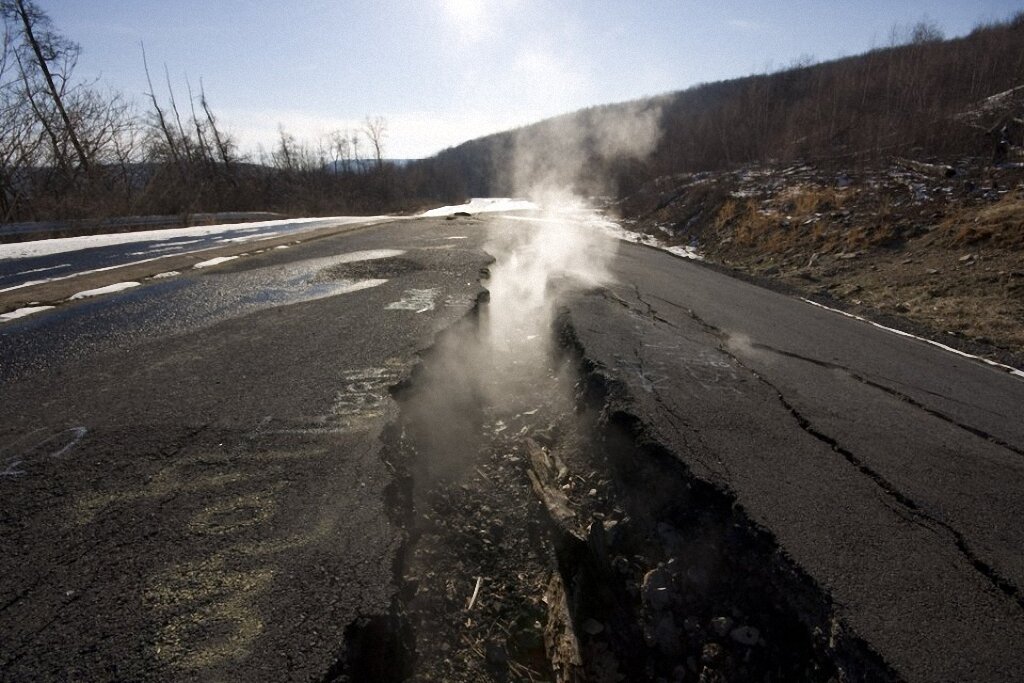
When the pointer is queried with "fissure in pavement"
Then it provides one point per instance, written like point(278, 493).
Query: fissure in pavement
point(547, 537)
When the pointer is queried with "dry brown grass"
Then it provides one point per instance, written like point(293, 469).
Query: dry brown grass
point(807, 200)
point(997, 225)
point(795, 218)
point(727, 213)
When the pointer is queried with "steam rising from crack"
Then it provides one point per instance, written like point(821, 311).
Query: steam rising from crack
point(553, 162)
point(577, 153)
point(504, 366)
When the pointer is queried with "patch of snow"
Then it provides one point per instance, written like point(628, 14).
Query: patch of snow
point(84, 272)
point(65, 244)
point(99, 291)
point(214, 261)
point(30, 283)
point(458, 237)
point(160, 247)
point(685, 252)
point(42, 270)
point(22, 312)
point(368, 255)
point(251, 238)
point(484, 205)
point(1006, 368)
point(358, 285)
point(613, 230)
point(169, 273)
point(418, 300)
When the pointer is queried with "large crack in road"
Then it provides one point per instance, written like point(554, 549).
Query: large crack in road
point(550, 536)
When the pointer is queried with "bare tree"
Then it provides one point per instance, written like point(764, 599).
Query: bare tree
point(19, 137)
point(357, 161)
point(339, 151)
point(224, 144)
point(43, 46)
point(158, 114)
point(205, 152)
point(376, 129)
point(285, 156)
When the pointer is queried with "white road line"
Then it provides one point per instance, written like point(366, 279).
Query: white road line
point(1006, 368)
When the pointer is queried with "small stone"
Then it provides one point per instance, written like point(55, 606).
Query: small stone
point(932, 271)
point(697, 575)
point(592, 627)
point(496, 654)
point(656, 589)
point(721, 625)
point(745, 635)
point(966, 258)
point(666, 636)
point(711, 653)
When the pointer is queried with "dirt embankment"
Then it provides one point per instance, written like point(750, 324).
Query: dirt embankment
point(937, 248)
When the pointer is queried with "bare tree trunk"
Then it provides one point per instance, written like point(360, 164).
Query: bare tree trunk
point(161, 119)
point(57, 100)
point(43, 119)
point(204, 147)
point(376, 130)
point(222, 145)
point(177, 117)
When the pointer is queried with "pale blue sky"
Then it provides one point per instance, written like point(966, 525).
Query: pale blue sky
point(444, 71)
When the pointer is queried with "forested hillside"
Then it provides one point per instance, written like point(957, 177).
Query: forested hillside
point(924, 98)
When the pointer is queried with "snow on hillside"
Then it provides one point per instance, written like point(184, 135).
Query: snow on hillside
point(484, 205)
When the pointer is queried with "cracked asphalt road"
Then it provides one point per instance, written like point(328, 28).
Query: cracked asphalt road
point(192, 483)
point(192, 480)
point(888, 470)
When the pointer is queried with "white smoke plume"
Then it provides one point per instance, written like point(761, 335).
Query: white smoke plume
point(571, 153)
point(562, 249)
point(506, 363)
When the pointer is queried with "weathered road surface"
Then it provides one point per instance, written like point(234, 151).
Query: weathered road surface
point(193, 483)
